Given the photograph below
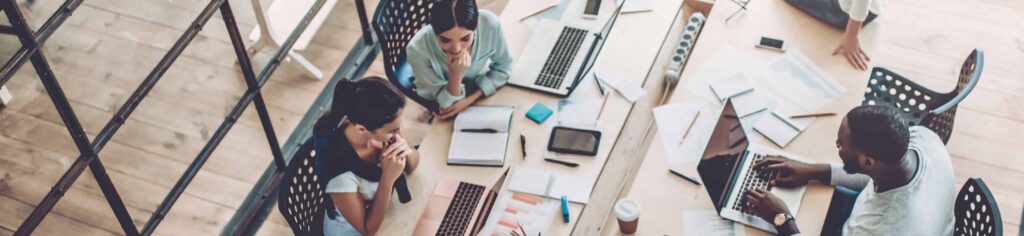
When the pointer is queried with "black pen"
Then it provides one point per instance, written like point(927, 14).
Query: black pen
point(522, 144)
point(566, 163)
point(479, 130)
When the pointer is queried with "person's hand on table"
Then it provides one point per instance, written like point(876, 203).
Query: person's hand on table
point(849, 47)
point(455, 108)
point(767, 206)
point(792, 173)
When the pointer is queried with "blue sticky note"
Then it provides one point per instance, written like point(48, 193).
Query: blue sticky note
point(539, 113)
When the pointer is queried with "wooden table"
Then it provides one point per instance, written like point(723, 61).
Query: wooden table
point(636, 36)
point(664, 197)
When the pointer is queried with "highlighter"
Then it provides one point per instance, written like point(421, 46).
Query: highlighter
point(565, 209)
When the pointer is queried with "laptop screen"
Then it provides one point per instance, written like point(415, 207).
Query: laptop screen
point(724, 149)
point(595, 49)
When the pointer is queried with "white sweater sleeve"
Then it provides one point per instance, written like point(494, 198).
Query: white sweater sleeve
point(858, 10)
point(851, 181)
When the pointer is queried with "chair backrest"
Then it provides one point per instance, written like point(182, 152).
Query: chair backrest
point(976, 212)
point(920, 105)
point(941, 119)
point(395, 22)
point(300, 197)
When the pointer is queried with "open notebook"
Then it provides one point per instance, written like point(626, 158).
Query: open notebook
point(481, 136)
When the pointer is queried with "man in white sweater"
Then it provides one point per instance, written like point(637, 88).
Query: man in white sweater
point(903, 174)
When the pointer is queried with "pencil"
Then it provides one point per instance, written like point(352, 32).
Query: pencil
point(688, 128)
point(542, 9)
point(813, 115)
point(603, 103)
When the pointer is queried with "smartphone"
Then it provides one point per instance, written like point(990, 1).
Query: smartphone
point(574, 141)
point(773, 44)
point(591, 9)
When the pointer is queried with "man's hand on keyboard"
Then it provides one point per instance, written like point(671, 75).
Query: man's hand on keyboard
point(793, 173)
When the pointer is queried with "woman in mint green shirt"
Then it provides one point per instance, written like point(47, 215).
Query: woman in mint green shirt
point(460, 57)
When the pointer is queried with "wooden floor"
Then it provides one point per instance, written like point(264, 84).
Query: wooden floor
point(106, 48)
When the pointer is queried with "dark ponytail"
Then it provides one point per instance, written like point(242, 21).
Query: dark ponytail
point(371, 102)
point(447, 14)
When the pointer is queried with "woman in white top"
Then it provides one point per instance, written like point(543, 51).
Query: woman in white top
point(846, 15)
point(361, 153)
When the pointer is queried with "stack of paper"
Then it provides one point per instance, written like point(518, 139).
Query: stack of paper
point(629, 90)
point(548, 184)
point(708, 223)
point(780, 128)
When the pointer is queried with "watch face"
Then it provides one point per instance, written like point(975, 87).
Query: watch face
point(780, 219)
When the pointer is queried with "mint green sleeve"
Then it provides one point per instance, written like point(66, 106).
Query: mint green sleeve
point(501, 61)
point(429, 84)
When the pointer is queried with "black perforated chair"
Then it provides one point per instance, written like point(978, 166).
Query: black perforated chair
point(300, 198)
point(920, 105)
point(976, 212)
point(395, 22)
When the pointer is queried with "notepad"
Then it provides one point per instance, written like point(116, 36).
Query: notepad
point(549, 184)
point(731, 86)
point(488, 148)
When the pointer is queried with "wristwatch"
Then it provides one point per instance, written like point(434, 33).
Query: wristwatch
point(781, 218)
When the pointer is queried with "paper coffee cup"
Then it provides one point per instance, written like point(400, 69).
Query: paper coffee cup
point(627, 211)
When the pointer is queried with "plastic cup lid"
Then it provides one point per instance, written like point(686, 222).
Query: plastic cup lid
point(627, 210)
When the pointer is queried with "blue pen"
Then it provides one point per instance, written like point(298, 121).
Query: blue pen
point(565, 209)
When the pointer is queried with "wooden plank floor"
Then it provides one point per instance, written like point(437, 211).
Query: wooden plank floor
point(99, 56)
point(106, 48)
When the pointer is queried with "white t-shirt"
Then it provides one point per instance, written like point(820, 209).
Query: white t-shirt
point(922, 207)
point(351, 183)
point(858, 9)
point(347, 183)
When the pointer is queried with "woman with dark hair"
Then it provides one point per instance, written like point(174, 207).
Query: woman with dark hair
point(361, 154)
point(460, 57)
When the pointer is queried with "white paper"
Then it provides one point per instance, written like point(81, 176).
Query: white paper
point(726, 62)
point(692, 147)
point(484, 117)
point(580, 113)
point(731, 86)
point(776, 130)
point(478, 148)
point(511, 210)
point(673, 120)
point(749, 103)
point(636, 6)
point(802, 82)
point(550, 184)
point(629, 89)
point(708, 223)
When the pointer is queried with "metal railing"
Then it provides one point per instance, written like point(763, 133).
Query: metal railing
point(88, 158)
point(259, 203)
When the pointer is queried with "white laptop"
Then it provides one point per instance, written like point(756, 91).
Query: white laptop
point(559, 55)
point(727, 170)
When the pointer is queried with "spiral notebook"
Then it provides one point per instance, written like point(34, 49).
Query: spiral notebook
point(481, 136)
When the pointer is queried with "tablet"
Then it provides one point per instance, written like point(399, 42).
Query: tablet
point(574, 141)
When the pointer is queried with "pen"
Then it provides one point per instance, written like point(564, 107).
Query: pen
point(813, 115)
point(522, 144)
point(688, 128)
point(479, 130)
point(566, 163)
point(603, 103)
point(687, 178)
point(565, 209)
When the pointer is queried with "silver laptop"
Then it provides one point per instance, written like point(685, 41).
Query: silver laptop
point(727, 170)
point(558, 56)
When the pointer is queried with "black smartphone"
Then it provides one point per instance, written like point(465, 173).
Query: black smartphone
point(773, 44)
point(592, 8)
point(574, 141)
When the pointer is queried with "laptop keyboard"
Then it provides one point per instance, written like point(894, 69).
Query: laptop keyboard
point(756, 179)
point(460, 210)
point(561, 58)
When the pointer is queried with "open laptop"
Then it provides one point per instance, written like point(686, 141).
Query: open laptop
point(559, 55)
point(727, 170)
point(458, 208)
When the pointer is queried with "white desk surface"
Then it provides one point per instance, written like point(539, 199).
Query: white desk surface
point(636, 36)
point(664, 196)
